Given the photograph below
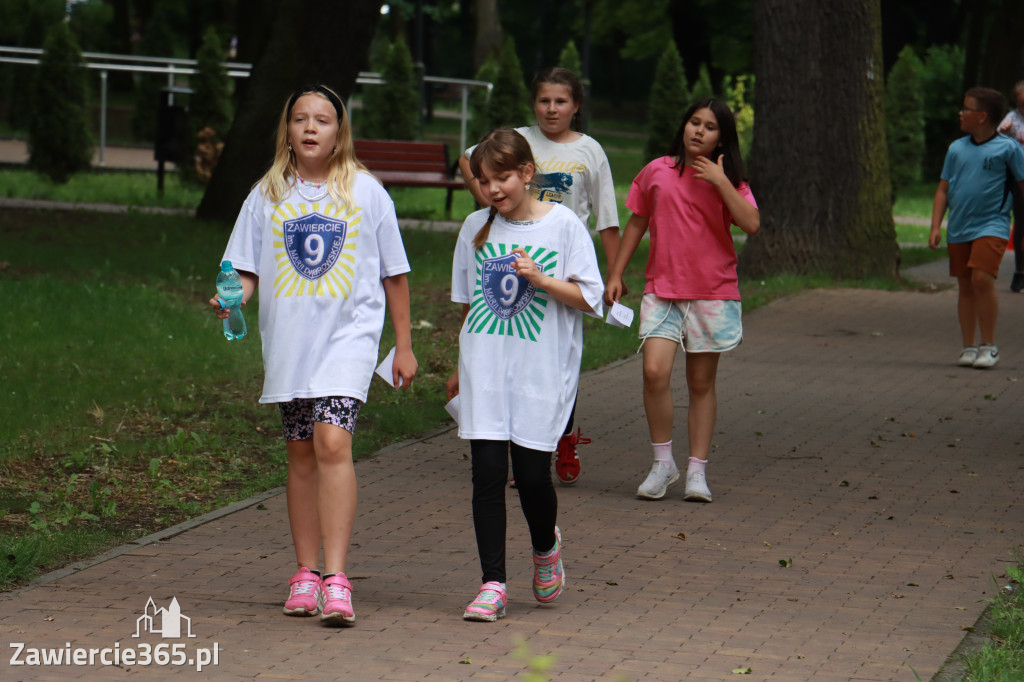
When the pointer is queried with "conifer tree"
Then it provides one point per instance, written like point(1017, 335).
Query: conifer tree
point(668, 102)
point(569, 58)
point(157, 41)
point(904, 117)
point(58, 135)
point(702, 88)
point(509, 105)
point(479, 99)
point(209, 105)
point(392, 111)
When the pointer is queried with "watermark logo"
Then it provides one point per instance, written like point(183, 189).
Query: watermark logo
point(170, 620)
point(167, 622)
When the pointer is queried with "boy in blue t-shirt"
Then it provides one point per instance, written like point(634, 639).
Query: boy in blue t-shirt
point(977, 179)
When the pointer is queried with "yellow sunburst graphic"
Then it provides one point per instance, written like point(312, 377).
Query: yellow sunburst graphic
point(335, 282)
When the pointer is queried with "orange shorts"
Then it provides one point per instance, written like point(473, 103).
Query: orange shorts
point(984, 253)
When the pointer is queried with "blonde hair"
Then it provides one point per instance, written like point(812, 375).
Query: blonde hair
point(342, 164)
point(502, 150)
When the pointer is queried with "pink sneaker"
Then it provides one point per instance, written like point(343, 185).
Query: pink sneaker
point(489, 604)
point(306, 594)
point(338, 601)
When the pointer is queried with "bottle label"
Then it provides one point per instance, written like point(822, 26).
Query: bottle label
point(313, 243)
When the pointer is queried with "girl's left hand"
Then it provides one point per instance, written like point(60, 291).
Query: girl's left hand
point(526, 267)
point(709, 171)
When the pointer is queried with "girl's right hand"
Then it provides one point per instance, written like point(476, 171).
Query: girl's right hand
point(451, 387)
point(614, 290)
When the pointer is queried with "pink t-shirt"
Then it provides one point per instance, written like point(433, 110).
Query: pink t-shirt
point(692, 255)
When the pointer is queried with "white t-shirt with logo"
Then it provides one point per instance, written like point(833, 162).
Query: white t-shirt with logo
point(322, 302)
point(520, 349)
point(575, 174)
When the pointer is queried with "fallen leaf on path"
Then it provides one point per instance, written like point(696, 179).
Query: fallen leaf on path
point(786, 563)
point(742, 671)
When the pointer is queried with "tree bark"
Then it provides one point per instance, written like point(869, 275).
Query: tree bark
point(488, 32)
point(819, 166)
point(312, 42)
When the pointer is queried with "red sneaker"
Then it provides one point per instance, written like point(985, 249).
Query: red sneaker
point(567, 461)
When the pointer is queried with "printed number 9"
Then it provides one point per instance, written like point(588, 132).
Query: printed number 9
point(315, 249)
point(509, 287)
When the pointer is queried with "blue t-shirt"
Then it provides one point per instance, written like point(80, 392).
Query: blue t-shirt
point(979, 177)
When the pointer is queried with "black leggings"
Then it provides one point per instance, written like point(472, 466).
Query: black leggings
point(532, 471)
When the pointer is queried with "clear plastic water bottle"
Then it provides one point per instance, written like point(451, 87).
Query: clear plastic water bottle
point(230, 292)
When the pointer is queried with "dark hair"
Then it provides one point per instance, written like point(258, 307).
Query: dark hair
point(728, 139)
point(556, 75)
point(992, 102)
point(331, 96)
point(502, 150)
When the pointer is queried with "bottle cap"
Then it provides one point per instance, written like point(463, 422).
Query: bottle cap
point(226, 266)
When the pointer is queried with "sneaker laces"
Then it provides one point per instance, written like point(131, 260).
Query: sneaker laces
point(303, 587)
point(567, 446)
point(337, 591)
point(546, 565)
point(488, 596)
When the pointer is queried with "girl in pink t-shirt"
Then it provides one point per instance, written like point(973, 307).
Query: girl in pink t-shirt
point(688, 200)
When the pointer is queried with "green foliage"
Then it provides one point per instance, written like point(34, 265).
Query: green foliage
point(904, 117)
point(210, 102)
point(391, 111)
point(157, 41)
point(91, 24)
point(739, 95)
point(637, 28)
point(702, 88)
point(569, 58)
point(59, 143)
point(667, 103)
point(479, 99)
point(943, 97)
point(509, 105)
point(23, 23)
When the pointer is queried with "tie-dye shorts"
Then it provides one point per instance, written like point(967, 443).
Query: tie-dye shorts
point(699, 326)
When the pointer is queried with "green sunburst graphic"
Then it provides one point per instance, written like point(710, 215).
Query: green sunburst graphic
point(525, 324)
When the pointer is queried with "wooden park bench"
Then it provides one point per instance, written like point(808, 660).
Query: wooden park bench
point(402, 163)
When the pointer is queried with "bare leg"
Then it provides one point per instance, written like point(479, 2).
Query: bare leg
point(302, 509)
point(965, 309)
point(701, 371)
point(659, 354)
point(336, 493)
point(986, 304)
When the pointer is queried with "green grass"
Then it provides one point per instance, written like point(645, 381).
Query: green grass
point(1001, 659)
point(124, 188)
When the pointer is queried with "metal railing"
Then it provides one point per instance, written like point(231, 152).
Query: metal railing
point(104, 63)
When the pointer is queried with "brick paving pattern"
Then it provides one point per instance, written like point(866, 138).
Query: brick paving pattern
point(847, 442)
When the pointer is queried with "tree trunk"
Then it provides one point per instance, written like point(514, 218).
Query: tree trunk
point(488, 32)
point(312, 42)
point(819, 166)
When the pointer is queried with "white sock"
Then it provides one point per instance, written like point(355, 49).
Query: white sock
point(696, 465)
point(663, 453)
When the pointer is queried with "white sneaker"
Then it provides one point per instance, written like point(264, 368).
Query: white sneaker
point(696, 487)
point(967, 356)
point(988, 356)
point(663, 474)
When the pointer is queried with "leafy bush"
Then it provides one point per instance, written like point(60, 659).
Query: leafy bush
point(667, 103)
point(509, 105)
point(569, 58)
point(479, 99)
point(209, 106)
point(739, 94)
point(58, 135)
point(904, 119)
point(391, 111)
point(943, 96)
